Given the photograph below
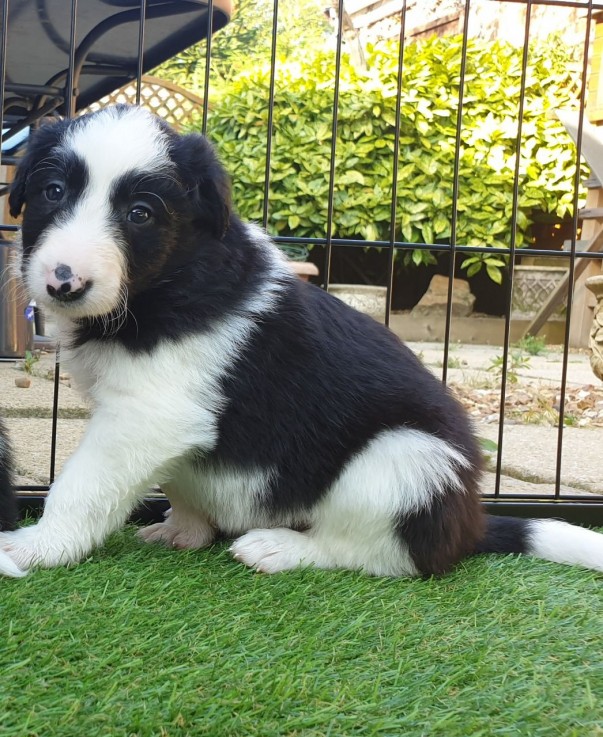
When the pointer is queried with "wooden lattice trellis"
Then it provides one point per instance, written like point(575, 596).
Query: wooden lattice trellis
point(172, 103)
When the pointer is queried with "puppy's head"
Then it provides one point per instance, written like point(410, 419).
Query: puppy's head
point(111, 201)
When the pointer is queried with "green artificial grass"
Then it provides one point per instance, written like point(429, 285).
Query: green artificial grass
point(140, 640)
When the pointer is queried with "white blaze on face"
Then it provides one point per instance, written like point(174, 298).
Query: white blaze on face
point(111, 144)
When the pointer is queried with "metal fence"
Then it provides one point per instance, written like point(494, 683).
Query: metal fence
point(94, 54)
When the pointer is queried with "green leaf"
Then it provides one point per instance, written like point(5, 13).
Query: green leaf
point(494, 273)
point(417, 257)
point(487, 445)
point(427, 230)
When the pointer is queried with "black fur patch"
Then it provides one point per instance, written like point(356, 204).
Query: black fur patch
point(8, 503)
point(505, 535)
point(42, 166)
point(441, 535)
point(186, 296)
point(316, 383)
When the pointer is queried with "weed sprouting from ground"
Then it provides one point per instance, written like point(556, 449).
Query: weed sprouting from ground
point(533, 345)
point(515, 362)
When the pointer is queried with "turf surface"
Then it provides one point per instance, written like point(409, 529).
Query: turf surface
point(141, 641)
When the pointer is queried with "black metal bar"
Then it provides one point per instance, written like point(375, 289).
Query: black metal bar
point(331, 195)
point(152, 509)
point(3, 39)
point(507, 332)
point(69, 93)
point(455, 192)
point(405, 245)
point(576, 512)
point(210, 21)
point(69, 97)
point(572, 263)
point(442, 247)
point(140, 60)
point(270, 114)
point(396, 154)
point(510, 497)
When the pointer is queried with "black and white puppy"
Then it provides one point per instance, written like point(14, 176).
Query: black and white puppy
point(266, 409)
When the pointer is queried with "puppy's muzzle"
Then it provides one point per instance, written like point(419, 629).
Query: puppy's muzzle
point(65, 286)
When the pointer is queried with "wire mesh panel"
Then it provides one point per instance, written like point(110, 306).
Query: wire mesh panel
point(436, 166)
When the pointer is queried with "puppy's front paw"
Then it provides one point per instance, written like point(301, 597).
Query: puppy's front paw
point(274, 550)
point(17, 552)
point(27, 547)
point(8, 567)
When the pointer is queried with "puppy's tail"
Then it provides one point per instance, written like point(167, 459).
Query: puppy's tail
point(549, 539)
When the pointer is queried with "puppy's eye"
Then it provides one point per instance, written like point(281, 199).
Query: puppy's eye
point(139, 215)
point(54, 192)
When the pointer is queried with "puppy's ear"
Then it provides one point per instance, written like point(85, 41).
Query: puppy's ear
point(208, 185)
point(39, 145)
point(16, 197)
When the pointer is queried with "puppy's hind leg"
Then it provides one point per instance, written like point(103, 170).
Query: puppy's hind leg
point(184, 526)
point(374, 517)
point(279, 549)
point(355, 545)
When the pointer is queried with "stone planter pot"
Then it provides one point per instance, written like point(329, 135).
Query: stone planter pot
point(532, 286)
point(363, 297)
point(595, 284)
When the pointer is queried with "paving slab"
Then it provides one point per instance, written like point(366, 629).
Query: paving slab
point(31, 441)
point(37, 400)
point(471, 363)
point(529, 452)
point(517, 487)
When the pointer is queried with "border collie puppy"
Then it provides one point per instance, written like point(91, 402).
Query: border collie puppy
point(268, 410)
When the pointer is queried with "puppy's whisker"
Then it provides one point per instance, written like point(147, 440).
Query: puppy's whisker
point(129, 312)
point(157, 176)
point(163, 202)
point(13, 283)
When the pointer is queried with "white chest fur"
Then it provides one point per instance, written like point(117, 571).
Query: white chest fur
point(175, 387)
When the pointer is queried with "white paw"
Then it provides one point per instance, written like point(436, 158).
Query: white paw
point(27, 547)
point(8, 567)
point(184, 536)
point(274, 550)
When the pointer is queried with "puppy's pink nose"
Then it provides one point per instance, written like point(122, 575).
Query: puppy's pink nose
point(65, 286)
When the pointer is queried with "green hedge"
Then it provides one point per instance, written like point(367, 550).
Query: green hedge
point(299, 178)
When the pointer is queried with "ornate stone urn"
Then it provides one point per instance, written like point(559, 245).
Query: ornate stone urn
point(595, 284)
